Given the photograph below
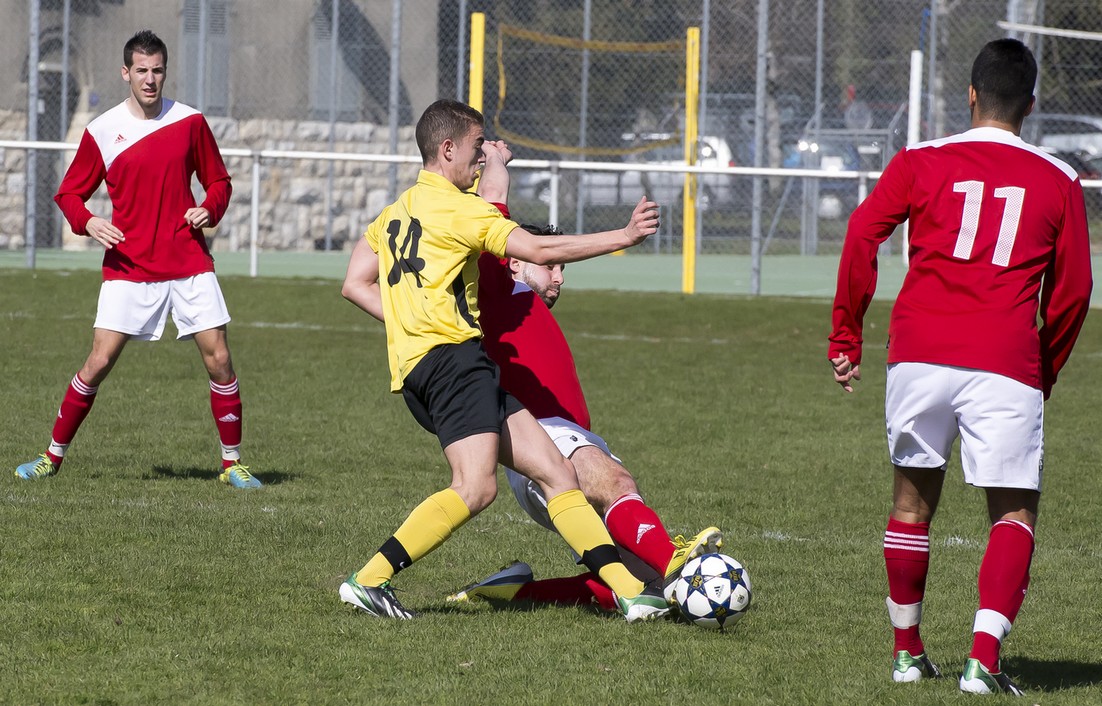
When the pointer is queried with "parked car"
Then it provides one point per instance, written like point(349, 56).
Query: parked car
point(1087, 167)
point(1070, 134)
point(623, 188)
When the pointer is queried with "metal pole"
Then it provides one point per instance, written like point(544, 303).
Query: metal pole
point(30, 193)
point(201, 67)
point(702, 111)
point(461, 52)
point(395, 85)
point(64, 122)
point(759, 146)
point(809, 214)
point(587, 33)
point(254, 217)
point(334, 86)
point(931, 105)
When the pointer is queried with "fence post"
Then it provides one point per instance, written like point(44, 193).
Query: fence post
point(254, 216)
point(30, 189)
point(478, 59)
point(688, 196)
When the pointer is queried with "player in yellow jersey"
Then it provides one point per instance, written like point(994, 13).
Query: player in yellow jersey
point(417, 271)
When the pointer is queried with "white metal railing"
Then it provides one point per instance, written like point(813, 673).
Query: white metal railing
point(554, 167)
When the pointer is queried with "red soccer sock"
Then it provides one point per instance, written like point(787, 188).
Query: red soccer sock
point(225, 405)
point(636, 527)
point(583, 589)
point(79, 397)
point(1003, 580)
point(907, 560)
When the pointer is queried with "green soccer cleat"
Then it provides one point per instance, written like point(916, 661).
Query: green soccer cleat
point(501, 586)
point(41, 467)
point(906, 668)
point(374, 600)
point(977, 680)
point(651, 604)
point(706, 541)
point(238, 476)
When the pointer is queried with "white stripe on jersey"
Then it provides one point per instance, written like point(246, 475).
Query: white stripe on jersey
point(116, 130)
point(994, 134)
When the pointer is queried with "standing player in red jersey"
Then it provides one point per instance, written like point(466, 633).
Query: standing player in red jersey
point(537, 367)
point(998, 230)
point(156, 259)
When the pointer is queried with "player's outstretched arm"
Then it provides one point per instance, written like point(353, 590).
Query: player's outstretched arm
point(572, 248)
point(361, 280)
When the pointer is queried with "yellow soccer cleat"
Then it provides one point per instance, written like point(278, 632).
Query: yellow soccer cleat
point(707, 541)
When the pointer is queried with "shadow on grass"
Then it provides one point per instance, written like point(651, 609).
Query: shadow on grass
point(513, 607)
point(268, 477)
point(1053, 675)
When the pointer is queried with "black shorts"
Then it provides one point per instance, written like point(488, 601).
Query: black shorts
point(454, 393)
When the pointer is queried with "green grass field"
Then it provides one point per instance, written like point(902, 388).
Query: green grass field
point(134, 577)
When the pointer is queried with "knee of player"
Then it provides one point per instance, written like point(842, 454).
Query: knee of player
point(477, 495)
point(219, 365)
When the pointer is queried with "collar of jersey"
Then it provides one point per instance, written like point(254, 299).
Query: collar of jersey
point(435, 180)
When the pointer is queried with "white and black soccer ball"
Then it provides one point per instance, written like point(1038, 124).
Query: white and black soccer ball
point(713, 591)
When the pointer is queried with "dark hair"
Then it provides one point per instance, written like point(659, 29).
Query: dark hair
point(144, 42)
point(541, 230)
point(444, 120)
point(1003, 76)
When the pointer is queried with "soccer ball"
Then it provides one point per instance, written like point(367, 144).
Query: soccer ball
point(713, 591)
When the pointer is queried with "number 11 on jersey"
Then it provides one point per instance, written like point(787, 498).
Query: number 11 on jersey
point(1014, 197)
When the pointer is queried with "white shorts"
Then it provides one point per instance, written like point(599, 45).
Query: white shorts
point(569, 437)
point(1000, 422)
point(141, 308)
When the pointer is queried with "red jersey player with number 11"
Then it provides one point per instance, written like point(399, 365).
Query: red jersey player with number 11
point(998, 236)
point(156, 260)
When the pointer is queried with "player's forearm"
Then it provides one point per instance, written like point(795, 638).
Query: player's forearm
point(217, 200)
point(74, 210)
point(493, 184)
point(573, 248)
point(366, 296)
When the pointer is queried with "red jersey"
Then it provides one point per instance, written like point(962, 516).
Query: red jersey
point(998, 230)
point(148, 166)
point(522, 337)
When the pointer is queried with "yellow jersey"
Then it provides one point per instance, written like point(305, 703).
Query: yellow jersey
point(428, 242)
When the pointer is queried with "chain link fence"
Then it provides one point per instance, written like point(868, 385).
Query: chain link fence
point(598, 80)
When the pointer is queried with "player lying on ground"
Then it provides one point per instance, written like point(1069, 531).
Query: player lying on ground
point(156, 259)
point(537, 367)
point(427, 243)
point(998, 229)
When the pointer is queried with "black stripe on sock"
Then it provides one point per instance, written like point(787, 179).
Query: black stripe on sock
point(396, 554)
point(599, 557)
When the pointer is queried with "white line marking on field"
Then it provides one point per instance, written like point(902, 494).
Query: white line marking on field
point(777, 536)
point(300, 326)
point(955, 541)
point(303, 326)
point(649, 339)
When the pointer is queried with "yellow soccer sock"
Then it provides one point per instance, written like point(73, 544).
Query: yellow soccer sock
point(426, 528)
point(583, 530)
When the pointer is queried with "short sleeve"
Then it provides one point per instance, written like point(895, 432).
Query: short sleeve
point(485, 228)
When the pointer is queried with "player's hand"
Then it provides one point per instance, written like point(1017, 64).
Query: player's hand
point(644, 221)
point(197, 217)
point(104, 232)
point(497, 148)
point(845, 371)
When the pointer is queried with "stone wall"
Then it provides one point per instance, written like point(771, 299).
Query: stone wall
point(295, 195)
